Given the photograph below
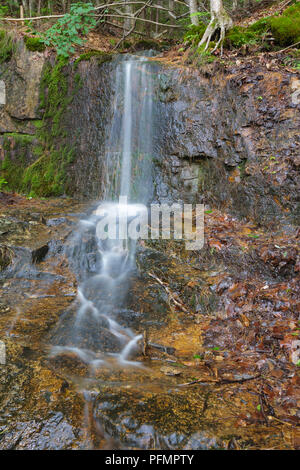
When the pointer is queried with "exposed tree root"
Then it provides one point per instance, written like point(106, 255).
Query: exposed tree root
point(220, 20)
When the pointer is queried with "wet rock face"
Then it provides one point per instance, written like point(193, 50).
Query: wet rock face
point(54, 433)
point(22, 84)
point(230, 140)
point(138, 420)
point(87, 122)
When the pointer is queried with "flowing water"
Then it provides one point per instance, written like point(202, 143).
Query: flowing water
point(104, 266)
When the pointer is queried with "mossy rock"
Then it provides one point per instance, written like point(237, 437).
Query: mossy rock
point(261, 26)
point(126, 44)
point(286, 28)
point(7, 46)
point(100, 56)
point(6, 257)
point(38, 165)
point(34, 44)
point(146, 44)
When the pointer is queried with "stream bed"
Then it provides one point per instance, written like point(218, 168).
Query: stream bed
point(55, 402)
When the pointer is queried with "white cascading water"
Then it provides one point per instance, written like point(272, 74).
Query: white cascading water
point(103, 267)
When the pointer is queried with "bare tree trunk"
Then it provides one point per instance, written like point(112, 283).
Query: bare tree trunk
point(127, 21)
point(193, 12)
point(171, 10)
point(22, 14)
point(24, 3)
point(219, 20)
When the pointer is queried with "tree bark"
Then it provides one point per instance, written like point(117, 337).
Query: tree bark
point(128, 22)
point(219, 20)
point(193, 10)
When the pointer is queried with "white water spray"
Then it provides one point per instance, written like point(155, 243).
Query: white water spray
point(104, 266)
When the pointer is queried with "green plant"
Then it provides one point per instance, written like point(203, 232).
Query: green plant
point(6, 46)
point(194, 34)
point(4, 10)
point(238, 37)
point(68, 29)
point(34, 44)
point(2, 182)
point(100, 56)
point(284, 28)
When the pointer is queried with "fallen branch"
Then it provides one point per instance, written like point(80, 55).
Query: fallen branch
point(145, 21)
point(219, 382)
point(289, 47)
point(176, 302)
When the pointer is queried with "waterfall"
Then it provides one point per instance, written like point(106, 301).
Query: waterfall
point(103, 266)
point(127, 133)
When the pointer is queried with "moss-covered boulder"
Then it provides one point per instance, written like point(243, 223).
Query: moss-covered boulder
point(99, 56)
point(34, 44)
point(283, 30)
point(286, 28)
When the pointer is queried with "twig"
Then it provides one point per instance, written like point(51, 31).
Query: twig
point(176, 302)
point(280, 421)
point(262, 409)
point(289, 47)
point(133, 27)
point(145, 343)
point(122, 27)
point(220, 382)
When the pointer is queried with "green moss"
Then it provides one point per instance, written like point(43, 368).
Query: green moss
point(38, 123)
point(286, 28)
point(78, 81)
point(7, 46)
point(238, 37)
point(34, 44)
point(12, 172)
point(55, 102)
point(16, 149)
point(47, 175)
point(22, 139)
point(101, 57)
point(194, 34)
point(261, 26)
point(126, 44)
point(144, 44)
